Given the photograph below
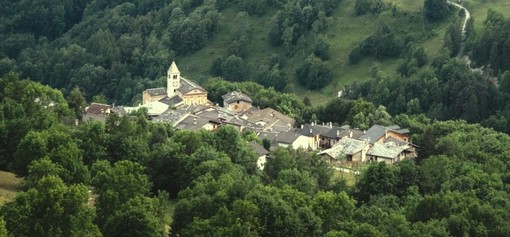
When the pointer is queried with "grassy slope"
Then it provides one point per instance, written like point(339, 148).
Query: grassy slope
point(479, 8)
point(9, 186)
point(346, 32)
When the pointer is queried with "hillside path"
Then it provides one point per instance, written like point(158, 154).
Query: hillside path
point(466, 19)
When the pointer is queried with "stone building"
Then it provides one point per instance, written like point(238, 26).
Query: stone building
point(236, 101)
point(178, 91)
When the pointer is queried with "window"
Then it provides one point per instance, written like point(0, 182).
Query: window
point(175, 77)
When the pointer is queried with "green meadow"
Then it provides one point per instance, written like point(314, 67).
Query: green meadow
point(345, 32)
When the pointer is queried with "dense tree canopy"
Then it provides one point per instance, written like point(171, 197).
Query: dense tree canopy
point(117, 178)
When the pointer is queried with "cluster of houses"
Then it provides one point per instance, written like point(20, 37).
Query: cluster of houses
point(184, 104)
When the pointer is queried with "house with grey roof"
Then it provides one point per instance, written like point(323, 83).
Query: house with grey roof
point(347, 150)
point(171, 116)
point(325, 135)
point(378, 133)
point(270, 120)
point(236, 101)
point(389, 152)
point(291, 139)
point(196, 123)
point(261, 154)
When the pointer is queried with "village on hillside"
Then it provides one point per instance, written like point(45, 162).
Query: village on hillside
point(184, 104)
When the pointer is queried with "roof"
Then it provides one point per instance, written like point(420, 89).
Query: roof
point(174, 100)
point(260, 150)
point(171, 116)
point(271, 119)
point(156, 91)
point(192, 123)
point(216, 113)
point(118, 110)
point(334, 132)
point(345, 146)
point(351, 133)
point(155, 108)
point(287, 137)
point(402, 131)
point(268, 135)
point(395, 141)
point(387, 150)
point(97, 108)
point(187, 86)
point(377, 131)
point(329, 131)
point(235, 96)
point(308, 130)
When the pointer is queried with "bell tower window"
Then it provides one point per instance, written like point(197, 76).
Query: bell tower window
point(175, 77)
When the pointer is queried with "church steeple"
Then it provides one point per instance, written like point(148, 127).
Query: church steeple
point(173, 80)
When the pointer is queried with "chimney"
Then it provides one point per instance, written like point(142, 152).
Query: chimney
point(385, 133)
point(310, 131)
point(337, 133)
point(350, 134)
point(364, 131)
point(323, 124)
point(302, 126)
point(195, 120)
point(330, 124)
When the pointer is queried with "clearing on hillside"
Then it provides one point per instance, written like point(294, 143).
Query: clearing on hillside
point(9, 186)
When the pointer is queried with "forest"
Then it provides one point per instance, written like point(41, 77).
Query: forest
point(91, 178)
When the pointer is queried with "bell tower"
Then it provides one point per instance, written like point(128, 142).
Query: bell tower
point(173, 80)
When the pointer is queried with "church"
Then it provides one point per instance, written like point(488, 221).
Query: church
point(178, 91)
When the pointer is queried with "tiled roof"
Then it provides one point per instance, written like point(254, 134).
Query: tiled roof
point(260, 150)
point(118, 110)
point(155, 108)
point(271, 119)
point(97, 108)
point(345, 146)
point(309, 130)
point(268, 135)
point(171, 116)
point(192, 123)
point(187, 86)
point(377, 131)
point(174, 100)
point(395, 141)
point(387, 150)
point(235, 96)
point(156, 91)
point(328, 131)
point(351, 133)
point(287, 137)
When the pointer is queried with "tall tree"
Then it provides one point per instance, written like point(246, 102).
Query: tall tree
point(76, 102)
point(435, 10)
point(51, 208)
point(116, 185)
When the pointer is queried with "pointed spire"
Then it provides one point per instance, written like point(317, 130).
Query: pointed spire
point(173, 68)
